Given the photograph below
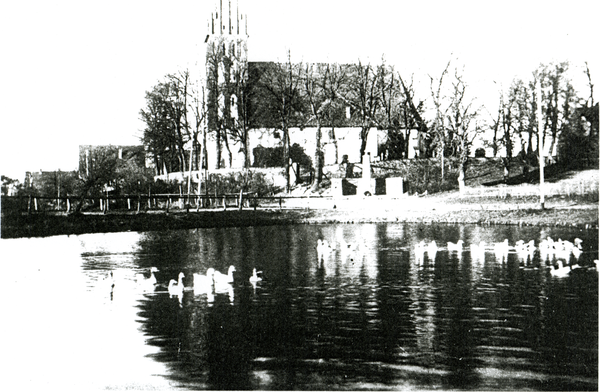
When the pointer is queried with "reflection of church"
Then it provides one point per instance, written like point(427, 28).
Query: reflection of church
point(226, 66)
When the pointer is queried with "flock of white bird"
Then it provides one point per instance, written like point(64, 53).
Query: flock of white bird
point(326, 249)
point(560, 251)
point(210, 283)
point(558, 256)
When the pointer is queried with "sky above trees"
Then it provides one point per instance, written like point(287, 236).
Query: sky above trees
point(76, 72)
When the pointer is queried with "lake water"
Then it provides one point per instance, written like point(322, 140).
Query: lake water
point(377, 317)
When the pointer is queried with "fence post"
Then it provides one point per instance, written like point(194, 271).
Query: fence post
point(139, 202)
point(280, 201)
point(68, 205)
point(35, 203)
point(29, 205)
point(128, 203)
point(224, 203)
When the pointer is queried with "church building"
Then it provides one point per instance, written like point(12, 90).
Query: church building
point(230, 80)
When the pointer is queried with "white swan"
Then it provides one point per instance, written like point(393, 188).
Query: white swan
point(255, 278)
point(525, 250)
point(220, 278)
point(432, 249)
point(147, 284)
point(546, 248)
point(563, 249)
point(452, 247)
point(347, 249)
point(141, 278)
point(420, 247)
point(176, 287)
point(324, 249)
point(420, 252)
point(577, 250)
point(478, 251)
point(561, 271)
point(501, 250)
point(204, 283)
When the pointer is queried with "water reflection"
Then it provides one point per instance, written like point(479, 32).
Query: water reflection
point(368, 312)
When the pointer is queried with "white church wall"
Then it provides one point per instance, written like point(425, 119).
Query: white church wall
point(348, 143)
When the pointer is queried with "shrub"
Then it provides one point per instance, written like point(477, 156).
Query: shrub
point(232, 183)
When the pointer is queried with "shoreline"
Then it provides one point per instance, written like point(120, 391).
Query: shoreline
point(582, 216)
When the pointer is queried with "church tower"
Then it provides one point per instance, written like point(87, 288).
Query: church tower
point(226, 70)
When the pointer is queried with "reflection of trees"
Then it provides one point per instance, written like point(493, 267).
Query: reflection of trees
point(454, 337)
point(393, 297)
point(337, 323)
point(570, 333)
point(397, 325)
point(166, 250)
point(206, 347)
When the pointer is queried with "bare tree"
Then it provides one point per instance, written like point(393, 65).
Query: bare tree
point(590, 101)
point(439, 128)
point(363, 95)
point(281, 83)
point(390, 113)
point(412, 119)
point(166, 124)
point(314, 84)
point(334, 114)
point(462, 125)
point(242, 118)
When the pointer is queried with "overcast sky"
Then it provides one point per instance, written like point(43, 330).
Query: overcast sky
point(75, 72)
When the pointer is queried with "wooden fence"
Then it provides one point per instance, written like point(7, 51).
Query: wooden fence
point(31, 204)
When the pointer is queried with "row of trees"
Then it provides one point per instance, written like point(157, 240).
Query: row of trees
point(102, 170)
point(238, 97)
point(183, 113)
point(567, 119)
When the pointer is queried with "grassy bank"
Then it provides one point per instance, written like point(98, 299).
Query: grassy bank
point(583, 216)
point(572, 202)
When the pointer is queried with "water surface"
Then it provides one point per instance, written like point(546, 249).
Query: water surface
point(377, 317)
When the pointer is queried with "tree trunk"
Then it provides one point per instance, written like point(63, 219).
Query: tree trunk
point(247, 162)
point(286, 157)
point(318, 160)
point(335, 143)
point(461, 178)
point(442, 163)
point(218, 151)
point(364, 133)
point(508, 142)
point(229, 154)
